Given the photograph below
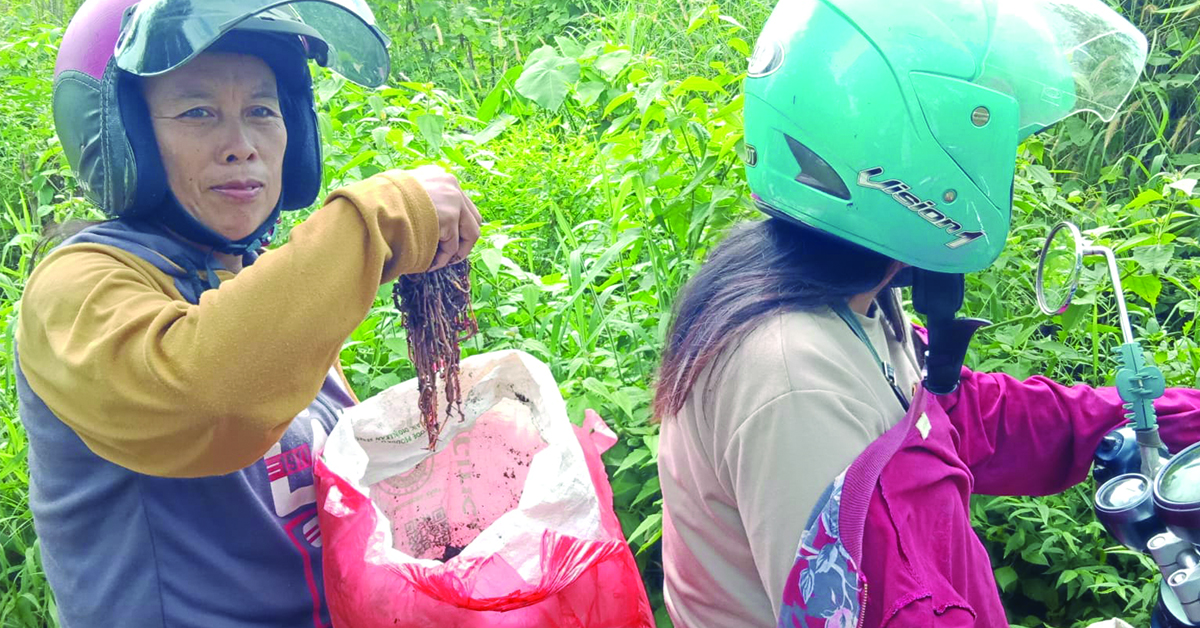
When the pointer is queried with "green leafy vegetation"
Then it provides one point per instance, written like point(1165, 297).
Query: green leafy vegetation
point(601, 140)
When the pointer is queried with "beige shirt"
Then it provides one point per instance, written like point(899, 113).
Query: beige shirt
point(762, 435)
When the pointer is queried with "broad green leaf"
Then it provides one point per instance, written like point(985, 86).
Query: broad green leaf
point(330, 86)
point(698, 18)
point(456, 156)
point(611, 64)
point(358, 160)
point(531, 294)
point(1041, 175)
point(377, 105)
point(1147, 196)
point(1034, 555)
point(589, 92)
point(537, 347)
point(594, 49)
point(1075, 313)
point(325, 125)
point(385, 381)
point(1143, 239)
point(739, 45)
point(569, 47)
point(599, 388)
point(398, 345)
point(1078, 130)
point(650, 489)
point(698, 84)
point(547, 78)
point(650, 523)
point(491, 104)
point(1158, 59)
point(649, 94)
point(651, 146)
point(1154, 258)
point(735, 106)
point(492, 260)
point(1146, 286)
point(651, 441)
point(431, 126)
point(380, 134)
point(493, 129)
point(637, 456)
point(617, 102)
point(1005, 577)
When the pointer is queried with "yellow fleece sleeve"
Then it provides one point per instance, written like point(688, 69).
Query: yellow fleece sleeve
point(168, 388)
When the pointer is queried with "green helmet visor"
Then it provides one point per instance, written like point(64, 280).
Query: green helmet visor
point(1061, 57)
point(339, 34)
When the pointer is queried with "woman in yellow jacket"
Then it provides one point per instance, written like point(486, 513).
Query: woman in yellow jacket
point(175, 384)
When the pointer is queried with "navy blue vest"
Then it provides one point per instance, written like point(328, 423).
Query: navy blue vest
point(124, 549)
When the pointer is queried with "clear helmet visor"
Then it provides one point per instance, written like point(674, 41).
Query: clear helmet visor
point(1061, 57)
point(340, 34)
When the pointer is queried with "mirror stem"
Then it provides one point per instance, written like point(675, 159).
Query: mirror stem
point(1126, 329)
point(1151, 458)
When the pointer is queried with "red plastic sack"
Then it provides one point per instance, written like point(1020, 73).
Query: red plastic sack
point(508, 524)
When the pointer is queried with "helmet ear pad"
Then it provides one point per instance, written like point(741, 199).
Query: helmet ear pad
point(107, 137)
point(150, 184)
point(81, 120)
point(302, 168)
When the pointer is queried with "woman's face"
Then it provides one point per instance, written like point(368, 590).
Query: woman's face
point(221, 136)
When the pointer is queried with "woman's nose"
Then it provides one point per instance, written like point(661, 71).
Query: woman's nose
point(237, 145)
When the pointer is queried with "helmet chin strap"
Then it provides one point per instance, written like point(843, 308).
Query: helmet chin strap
point(938, 297)
point(173, 216)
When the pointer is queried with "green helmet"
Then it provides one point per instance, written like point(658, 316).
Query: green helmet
point(894, 125)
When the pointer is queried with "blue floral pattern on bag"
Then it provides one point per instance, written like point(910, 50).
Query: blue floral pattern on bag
point(823, 587)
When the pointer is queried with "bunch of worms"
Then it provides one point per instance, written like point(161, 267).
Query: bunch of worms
point(435, 309)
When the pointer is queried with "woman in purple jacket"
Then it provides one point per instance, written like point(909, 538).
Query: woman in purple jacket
point(880, 138)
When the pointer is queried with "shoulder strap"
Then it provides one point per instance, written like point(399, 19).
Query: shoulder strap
point(843, 311)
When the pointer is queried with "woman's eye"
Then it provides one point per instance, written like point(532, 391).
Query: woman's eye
point(198, 112)
point(263, 112)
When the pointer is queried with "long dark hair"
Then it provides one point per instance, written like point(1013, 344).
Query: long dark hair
point(759, 268)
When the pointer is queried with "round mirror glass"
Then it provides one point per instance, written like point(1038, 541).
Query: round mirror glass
point(1123, 492)
point(1059, 268)
point(1124, 508)
point(1179, 480)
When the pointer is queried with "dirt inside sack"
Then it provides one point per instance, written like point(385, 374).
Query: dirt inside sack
point(439, 507)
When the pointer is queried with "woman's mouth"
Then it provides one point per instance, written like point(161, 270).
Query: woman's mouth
point(239, 190)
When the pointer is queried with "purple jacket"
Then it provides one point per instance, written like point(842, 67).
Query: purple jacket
point(898, 518)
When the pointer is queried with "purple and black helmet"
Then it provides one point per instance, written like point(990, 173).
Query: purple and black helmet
point(101, 118)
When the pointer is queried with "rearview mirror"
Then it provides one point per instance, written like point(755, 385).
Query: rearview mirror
point(1059, 268)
